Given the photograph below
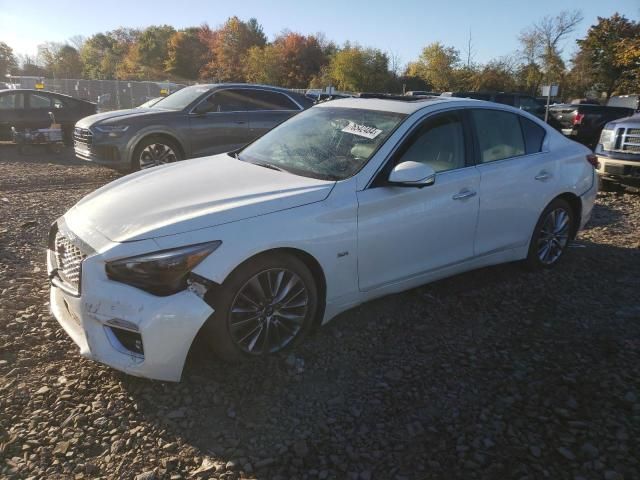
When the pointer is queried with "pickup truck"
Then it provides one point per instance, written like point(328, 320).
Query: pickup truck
point(618, 151)
point(584, 123)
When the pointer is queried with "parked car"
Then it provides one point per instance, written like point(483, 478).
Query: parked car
point(420, 93)
point(584, 122)
point(150, 103)
point(519, 100)
point(29, 109)
point(350, 200)
point(618, 151)
point(192, 122)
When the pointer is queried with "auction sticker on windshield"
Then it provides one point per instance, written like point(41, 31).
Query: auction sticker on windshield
point(362, 130)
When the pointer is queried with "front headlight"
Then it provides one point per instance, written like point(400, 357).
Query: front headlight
point(607, 139)
point(160, 273)
point(112, 130)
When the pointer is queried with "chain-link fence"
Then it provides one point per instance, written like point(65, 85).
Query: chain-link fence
point(118, 94)
point(107, 94)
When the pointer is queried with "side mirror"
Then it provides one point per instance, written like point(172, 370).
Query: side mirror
point(412, 174)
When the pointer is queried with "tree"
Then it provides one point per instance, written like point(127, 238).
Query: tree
point(497, 75)
point(147, 56)
point(628, 57)
point(7, 59)
point(103, 54)
point(186, 54)
point(542, 42)
point(66, 63)
point(436, 66)
point(602, 47)
point(229, 46)
point(354, 68)
point(264, 65)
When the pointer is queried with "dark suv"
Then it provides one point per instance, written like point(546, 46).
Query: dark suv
point(193, 122)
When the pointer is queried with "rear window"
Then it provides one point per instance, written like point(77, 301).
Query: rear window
point(533, 135)
point(499, 135)
point(266, 100)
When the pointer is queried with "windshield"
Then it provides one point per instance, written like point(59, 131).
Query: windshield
point(329, 143)
point(182, 98)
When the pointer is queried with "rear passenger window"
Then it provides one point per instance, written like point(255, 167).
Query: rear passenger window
point(265, 100)
point(499, 135)
point(533, 135)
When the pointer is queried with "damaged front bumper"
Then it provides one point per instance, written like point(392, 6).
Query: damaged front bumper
point(124, 327)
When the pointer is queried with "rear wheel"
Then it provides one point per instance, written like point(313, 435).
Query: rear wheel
point(154, 151)
point(265, 306)
point(552, 235)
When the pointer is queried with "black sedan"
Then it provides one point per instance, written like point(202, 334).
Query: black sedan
point(29, 109)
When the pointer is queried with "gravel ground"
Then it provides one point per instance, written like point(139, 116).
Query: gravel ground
point(496, 373)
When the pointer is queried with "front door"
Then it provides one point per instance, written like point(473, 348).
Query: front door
point(219, 123)
point(405, 231)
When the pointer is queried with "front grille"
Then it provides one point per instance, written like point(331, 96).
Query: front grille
point(630, 140)
point(69, 259)
point(83, 136)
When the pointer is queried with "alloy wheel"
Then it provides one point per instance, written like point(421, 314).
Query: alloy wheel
point(554, 236)
point(268, 312)
point(156, 154)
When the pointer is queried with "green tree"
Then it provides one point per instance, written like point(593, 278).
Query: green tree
point(601, 47)
point(497, 75)
point(65, 63)
point(146, 57)
point(264, 65)
point(103, 54)
point(628, 57)
point(7, 60)
point(354, 68)
point(186, 54)
point(437, 66)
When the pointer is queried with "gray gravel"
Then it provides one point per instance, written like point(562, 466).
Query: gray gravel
point(496, 373)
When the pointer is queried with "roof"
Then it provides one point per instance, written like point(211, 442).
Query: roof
point(408, 106)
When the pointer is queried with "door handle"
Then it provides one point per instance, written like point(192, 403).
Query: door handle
point(464, 194)
point(543, 176)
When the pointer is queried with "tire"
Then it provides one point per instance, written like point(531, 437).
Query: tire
point(153, 151)
point(559, 219)
point(243, 328)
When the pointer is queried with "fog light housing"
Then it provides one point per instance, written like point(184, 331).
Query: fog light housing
point(125, 340)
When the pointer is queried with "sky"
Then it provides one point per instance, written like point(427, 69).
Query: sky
point(401, 28)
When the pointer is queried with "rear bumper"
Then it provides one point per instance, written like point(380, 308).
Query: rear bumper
point(588, 200)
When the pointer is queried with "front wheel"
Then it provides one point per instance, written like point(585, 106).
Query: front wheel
point(267, 305)
point(154, 151)
point(551, 236)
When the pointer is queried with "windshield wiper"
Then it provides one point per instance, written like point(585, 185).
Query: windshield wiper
point(269, 165)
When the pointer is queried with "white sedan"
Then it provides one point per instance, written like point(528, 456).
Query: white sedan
point(348, 201)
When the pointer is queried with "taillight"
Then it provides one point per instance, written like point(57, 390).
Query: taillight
point(593, 160)
point(577, 120)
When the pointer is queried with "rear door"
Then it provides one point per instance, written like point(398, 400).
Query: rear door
point(12, 113)
point(268, 109)
point(219, 123)
point(518, 178)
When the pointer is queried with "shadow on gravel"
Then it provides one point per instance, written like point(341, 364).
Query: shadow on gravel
point(38, 154)
point(465, 374)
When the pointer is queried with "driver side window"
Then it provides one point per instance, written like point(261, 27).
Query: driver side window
point(439, 143)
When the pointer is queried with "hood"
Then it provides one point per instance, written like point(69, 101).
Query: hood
point(623, 122)
point(117, 115)
point(191, 195)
